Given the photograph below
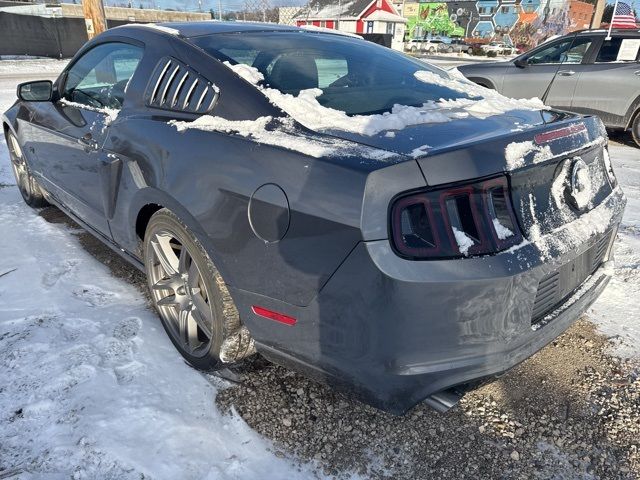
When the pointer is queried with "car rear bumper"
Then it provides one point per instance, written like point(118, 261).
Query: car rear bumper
point(394, 332)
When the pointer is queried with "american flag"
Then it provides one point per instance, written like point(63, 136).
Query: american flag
point(623, 17)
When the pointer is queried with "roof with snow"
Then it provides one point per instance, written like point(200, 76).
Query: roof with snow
point(385, 16)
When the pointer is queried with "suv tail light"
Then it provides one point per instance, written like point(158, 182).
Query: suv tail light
point(474, 219)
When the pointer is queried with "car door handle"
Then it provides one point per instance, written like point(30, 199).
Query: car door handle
point(88, 142)
point(566, 73)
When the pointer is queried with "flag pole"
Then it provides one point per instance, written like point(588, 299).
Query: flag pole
point(615, 9)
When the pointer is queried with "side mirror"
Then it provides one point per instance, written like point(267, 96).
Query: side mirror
point(38, 91)
point(520, 63)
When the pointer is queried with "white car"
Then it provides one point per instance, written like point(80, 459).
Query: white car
point(499, 48)
point(422, 45)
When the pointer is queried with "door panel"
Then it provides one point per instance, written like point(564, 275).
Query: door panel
point(531, 81)
point(607, 89)
point(73, 129)
point(560, 93)
point(69, 155)
point(550, 72)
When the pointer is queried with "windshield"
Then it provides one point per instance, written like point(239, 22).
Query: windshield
point(355, 76)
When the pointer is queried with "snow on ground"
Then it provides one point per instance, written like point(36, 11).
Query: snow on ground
point(617, 311)
point(90, 385)
point(43, 67)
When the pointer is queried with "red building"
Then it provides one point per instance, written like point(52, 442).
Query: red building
point(356, 16)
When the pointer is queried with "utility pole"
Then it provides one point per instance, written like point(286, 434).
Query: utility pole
point(220, 10)
point(597, 15)
point(94, 17)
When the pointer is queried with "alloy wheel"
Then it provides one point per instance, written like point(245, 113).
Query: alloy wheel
point(180, 294)
point(19, 165)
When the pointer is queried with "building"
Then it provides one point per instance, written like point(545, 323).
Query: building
point(364, 17)
point(580, 14)
point(71, 10)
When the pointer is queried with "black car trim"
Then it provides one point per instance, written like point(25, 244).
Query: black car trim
point(176, 87)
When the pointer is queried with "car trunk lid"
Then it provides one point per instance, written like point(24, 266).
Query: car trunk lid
point(537, 150)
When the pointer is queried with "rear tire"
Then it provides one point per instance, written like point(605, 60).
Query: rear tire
point(193, 302)
point(28, 186)
point(635, 129)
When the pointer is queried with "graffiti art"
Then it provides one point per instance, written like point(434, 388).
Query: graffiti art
point(522, 23)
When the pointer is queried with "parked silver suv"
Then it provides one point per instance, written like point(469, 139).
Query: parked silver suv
point(583, 72)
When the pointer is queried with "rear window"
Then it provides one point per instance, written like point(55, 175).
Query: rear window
point(619, 49)
point(355, 76)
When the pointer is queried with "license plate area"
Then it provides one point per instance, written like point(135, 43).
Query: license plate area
point(556, 287)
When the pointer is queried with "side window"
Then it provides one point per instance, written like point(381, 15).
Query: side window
point(300, 71)
point(330, 70)
point(577, 51)
point(99, 78)
point(550, 54)
point(619, 49)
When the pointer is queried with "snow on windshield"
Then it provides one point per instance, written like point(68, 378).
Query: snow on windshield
point(306, 109)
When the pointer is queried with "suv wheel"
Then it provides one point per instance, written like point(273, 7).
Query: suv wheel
point(635, 129)
point(28, 186)
point(193, 302)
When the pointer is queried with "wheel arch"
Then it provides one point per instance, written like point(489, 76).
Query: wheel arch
point(483, 82)
point(632, 113)
point(150, 200)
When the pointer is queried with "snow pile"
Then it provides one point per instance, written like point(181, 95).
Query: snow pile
point(250, 74)
point(583, 191)
point(306, 109)
point(485, 102)
point(280, 132)
point(110, 113)
point(516, 152)
point(420, 151)
point(501, 231)
point(463, 240)
point(575, 233)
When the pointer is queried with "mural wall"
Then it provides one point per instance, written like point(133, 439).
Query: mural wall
point(523, 23)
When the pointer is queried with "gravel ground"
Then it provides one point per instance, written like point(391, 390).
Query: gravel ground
point(571, 411)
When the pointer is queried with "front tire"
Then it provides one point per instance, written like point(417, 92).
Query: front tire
point(635, 129)
point(28, 186)
point(193, 302)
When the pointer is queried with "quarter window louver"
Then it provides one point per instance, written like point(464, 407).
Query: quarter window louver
point(175, 86)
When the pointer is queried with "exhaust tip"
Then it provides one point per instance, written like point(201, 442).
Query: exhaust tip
point(445, 400)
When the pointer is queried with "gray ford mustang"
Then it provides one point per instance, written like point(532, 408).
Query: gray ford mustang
point(338, 207)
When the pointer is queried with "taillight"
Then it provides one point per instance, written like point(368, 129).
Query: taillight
point(474, 219)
